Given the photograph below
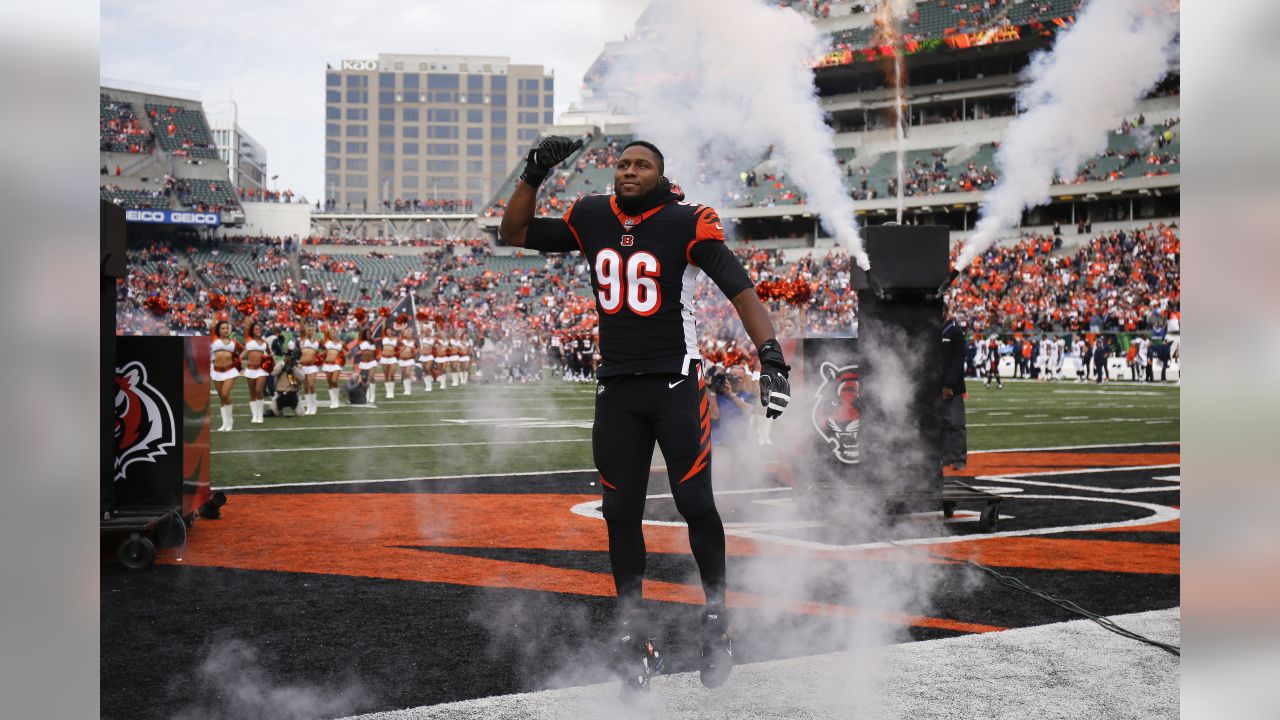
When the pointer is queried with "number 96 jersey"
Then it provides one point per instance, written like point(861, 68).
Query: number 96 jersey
point(643, 273)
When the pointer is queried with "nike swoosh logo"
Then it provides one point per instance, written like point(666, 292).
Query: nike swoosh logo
point(671, 385)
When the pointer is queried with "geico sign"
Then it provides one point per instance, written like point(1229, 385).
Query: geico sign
point(359, 64)
point(145, 216)
point(196, 218)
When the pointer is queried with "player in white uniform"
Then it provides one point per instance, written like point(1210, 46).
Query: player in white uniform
point(406, 353)
point(366, 361)
point(310, 364)
point(255, 359)
point(222, 369)
point(1060, 356)
point(1144, 360)
point(332, 360)
point(388, 360)
point(1077, 353)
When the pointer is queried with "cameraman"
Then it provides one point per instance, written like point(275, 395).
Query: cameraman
point(730, 406)
point(288, 379)
point(356, 388)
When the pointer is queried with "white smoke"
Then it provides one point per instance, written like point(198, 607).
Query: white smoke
point(720, 83)
point(1097, 72)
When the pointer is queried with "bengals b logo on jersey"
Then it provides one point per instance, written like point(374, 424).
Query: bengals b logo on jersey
point(144, 421)
point(835, 411)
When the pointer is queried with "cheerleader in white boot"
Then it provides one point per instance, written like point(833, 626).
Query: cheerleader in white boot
point(440, 368)
point(366, 362)
point(406, 359)
point(255, 352)
point(388, 360)
point(464, 360)
point(310, 364)
point(222, 369)
point(427, 360)
point(334, 358)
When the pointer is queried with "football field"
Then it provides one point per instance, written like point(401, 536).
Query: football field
point(479, 429)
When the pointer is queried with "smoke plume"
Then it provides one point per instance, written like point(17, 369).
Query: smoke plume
point(1096, 73)
point(721, 84)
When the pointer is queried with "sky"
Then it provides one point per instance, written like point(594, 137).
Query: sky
point(270, 56)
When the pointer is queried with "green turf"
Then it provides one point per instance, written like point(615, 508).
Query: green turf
point(459, 427)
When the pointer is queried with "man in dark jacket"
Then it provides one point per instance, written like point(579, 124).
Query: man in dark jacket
point(955, 444)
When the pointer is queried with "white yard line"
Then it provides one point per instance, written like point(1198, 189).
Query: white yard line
point(387, 447)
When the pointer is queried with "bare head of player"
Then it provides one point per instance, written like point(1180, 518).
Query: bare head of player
point(638, 171)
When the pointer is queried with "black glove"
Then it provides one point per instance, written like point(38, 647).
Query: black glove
point(775, 389)
point(545, 155)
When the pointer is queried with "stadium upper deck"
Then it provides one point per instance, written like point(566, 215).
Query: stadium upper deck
point(157, 153)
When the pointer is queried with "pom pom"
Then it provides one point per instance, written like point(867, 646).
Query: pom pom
point(218, 302)
point(246, 307)
point(384, 312)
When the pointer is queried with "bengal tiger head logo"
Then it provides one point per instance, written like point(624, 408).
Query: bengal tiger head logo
point(835, 411)
point(144, 422)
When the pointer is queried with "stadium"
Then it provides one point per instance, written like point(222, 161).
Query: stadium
point(419, 533)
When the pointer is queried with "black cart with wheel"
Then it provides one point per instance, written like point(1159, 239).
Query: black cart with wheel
point(141, 530)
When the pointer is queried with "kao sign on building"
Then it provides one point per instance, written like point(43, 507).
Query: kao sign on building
point(359, 64)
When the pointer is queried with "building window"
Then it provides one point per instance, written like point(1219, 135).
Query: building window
point(357, 81)
point(548, 118)
point(475, 183)
point(332, 146)
point(475, 133)
point(498, 82)
point(409, 114)
point(360, 164)
point(442, 115)
point(475, 166)
point(357, 113)
point(411, 82)
point(498, 117)
point(548, 84)
point(548, 101)
point(333, 96)
point(442, 132)
point(331, 129)
point(409, 131)
point(356, 147)
point(386, 131)
point(357, 131)
point(527, 85)
point(386, 97)
point(387, 114)
point(357, 180)
point(409, 165)
point(475, 82)
point(332, 113)
point(475, 116)
point(528, 100)
point(331, 163)
point(409, 181)
point(436, 81)
point(386, 80)
point(442, 148)
point(357, 96)
point(475, 150)
point(498, 99)
point(330, 182)
point(527, 118)
point(498, 132)
point(498, 149)
point(409, 148)
point(498, 168)
point(333, 80)
point(527, 134)
point(386, 148)
point(386, 165)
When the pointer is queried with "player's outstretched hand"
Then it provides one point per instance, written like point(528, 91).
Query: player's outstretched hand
point(548, 153)
point(775, 388)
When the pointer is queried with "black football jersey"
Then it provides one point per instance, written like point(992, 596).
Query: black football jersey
point(643, 276)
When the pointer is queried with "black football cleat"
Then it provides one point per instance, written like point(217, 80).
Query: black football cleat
point(717, 647)
point(636, 659)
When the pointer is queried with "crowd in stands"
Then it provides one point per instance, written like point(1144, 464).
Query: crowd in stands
point(264, 195)
point(414, 205)
point(119, 128)
point(517, 308)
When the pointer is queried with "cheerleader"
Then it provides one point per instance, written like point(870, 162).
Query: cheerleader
point(255, 353)
point(222, 369)
point(334, 359)
point(388, 360)
point(310, 364)
point(407, 354)
point(426, 359)
point(366, 360)
point(441, 352)
point(464, 359)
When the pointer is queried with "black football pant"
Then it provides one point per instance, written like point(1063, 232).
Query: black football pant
point(632, 412)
